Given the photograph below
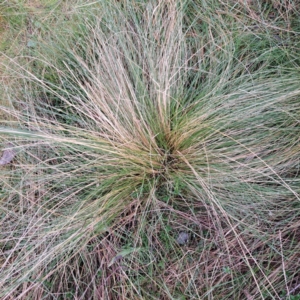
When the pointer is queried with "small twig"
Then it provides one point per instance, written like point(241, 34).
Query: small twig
point(293, 290)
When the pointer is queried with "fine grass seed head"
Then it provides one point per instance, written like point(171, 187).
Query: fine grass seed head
point(158, 155)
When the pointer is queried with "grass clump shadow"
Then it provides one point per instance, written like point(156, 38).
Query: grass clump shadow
point(156, 157)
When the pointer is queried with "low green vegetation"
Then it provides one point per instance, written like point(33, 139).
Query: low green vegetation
point(151, 151)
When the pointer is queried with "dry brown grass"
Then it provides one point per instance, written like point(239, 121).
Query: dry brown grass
point(144, 125)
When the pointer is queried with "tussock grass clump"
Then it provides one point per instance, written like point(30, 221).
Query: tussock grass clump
point(141, 123)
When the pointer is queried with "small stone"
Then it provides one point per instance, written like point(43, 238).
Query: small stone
point(7, 156)
point(182, 238)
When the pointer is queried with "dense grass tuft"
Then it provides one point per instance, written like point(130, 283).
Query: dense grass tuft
point(156, 154)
